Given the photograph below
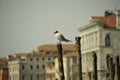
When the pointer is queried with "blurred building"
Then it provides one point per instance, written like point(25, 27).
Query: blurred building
point(37, 65)
point(3, 69)
point(50, 73)
point(102, 36)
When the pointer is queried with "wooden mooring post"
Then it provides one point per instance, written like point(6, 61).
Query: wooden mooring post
point(60, 62)
point(79, 56)
point(94, 56)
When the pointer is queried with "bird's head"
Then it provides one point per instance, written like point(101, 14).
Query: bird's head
point(55, 32)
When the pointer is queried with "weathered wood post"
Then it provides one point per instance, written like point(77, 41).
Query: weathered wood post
point(94, 56)
point(60, 61)
point(79, 56)
point(111, 68)
point(117, 77)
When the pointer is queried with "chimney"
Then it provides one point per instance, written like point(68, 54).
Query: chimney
point(117, 12)
point(107, 13)
point(9, 56)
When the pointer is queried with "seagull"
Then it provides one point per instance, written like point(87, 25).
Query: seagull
point(61, 37)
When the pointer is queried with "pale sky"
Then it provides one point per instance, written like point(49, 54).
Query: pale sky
point(26, 24)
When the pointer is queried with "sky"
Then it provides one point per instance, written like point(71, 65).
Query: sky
point(27, 24)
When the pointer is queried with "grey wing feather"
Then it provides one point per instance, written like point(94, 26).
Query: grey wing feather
point(62, 38)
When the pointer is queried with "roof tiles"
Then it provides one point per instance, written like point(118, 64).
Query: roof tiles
point(53, 47)
point(110, 20)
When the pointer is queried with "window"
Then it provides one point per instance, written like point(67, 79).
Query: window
point(107, 40)
point(107, 61)
point(38, 77)
point(31, 59)
point(37, 66)
point(43, 58)
point(43, 66)
point(37, 59)
point(23, 77)
point(49, 58)
point(31, 67)
point(23, 67)
point(31, 77)
point(53, 63)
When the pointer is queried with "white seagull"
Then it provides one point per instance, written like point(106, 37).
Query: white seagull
point(60, 37)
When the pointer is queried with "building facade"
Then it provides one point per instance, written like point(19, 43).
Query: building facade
point(35, 65)
point(102, 36)
point(50, 73)
point(31, 67)
point(3, 69)
point(4, 73)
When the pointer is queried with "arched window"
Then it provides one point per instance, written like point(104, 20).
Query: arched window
point(107, 40)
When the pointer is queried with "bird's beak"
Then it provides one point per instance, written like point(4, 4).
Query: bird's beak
point(55, 32)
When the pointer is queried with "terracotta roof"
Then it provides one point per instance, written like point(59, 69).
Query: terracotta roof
point(20, 54)
point(44, 49)
point(110, 20)
point(3, 59)
point(52, 47)
point(3, 63)
point(4, 67)
point(70, 55)
point(36, 54)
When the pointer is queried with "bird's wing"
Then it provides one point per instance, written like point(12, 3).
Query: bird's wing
point(61, 37)
point(64, 39)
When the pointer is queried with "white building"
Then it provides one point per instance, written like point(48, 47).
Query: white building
point(33, 66)
point(101, 35)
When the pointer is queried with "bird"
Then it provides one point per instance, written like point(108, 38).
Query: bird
point(61, 37)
